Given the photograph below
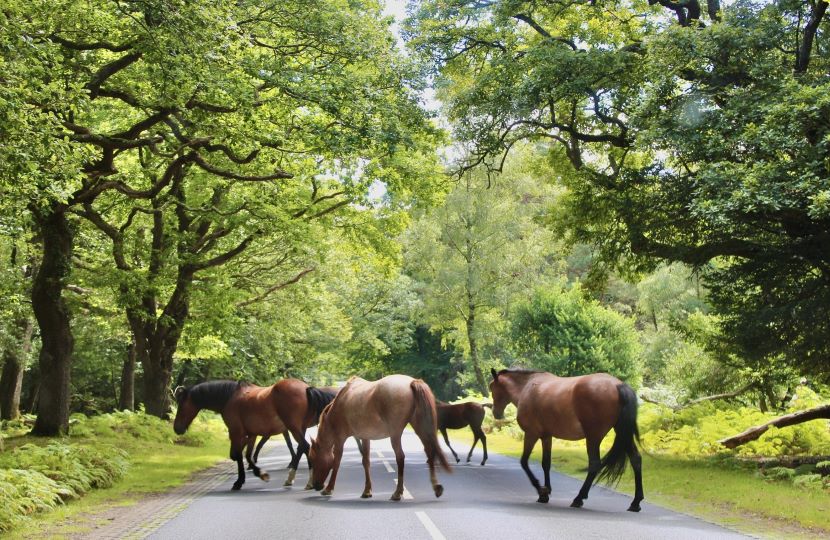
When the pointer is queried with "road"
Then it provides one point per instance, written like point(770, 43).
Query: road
point(491, 502)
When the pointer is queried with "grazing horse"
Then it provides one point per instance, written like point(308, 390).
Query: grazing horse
point(249, 410)
point(376, 410)
point(573, 408)
point(460, 415)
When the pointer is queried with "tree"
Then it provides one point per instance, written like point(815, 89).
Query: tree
point(477, 250)
point(129, 99)
point(705, 146)
point(559, 331)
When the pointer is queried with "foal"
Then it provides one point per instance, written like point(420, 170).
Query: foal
point(459, 415)
point(573, 408)
point(376, 410)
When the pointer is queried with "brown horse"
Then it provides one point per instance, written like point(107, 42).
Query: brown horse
point(573, 408)
point(249, 410)
point(376, 410)
point(460, 415)
point(319, 397)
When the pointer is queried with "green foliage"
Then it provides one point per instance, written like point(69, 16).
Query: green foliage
point(24, 492)
point(558, 330)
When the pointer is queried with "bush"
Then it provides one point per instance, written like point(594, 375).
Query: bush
point(779, 473)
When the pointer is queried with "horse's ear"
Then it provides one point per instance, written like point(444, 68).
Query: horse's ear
point(178, 392)
point(494, 373)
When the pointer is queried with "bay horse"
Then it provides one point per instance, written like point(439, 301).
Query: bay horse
point(320, 397)
point(460, 415)
point(250, 410)
point(573, 408)
point(376, 410)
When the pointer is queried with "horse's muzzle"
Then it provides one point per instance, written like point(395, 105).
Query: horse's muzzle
point(179, 430)
point(498, 415)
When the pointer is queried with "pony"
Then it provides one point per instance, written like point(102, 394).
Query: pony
point(249, 410)
point(460, 415)
point(318, 398)
point(573, 408)
point(376, 410)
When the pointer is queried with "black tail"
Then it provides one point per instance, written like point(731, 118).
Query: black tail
point(625, 440)
point(318, 398)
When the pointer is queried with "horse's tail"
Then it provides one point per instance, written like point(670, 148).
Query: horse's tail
point(425, 423)
point(317, 398)
point(626, 439)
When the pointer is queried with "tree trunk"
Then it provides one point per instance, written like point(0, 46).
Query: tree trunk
point(126, 400)
point(53, 320)
point(163, 342)
point(471, 337)
point(822, 411)
point(11, 380)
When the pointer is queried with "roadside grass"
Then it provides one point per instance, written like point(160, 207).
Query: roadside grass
point(721, 491)
point(158, 462)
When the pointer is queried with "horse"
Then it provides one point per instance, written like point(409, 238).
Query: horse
point(326, 394)
point(376, 410)
point(459, 415)
point(249, 410)
point(573, 408)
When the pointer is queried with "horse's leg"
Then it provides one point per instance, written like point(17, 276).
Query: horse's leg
point(287, 438)
point(546, 444)
point(238, 441)
point(447, 440)
point(367, 488)
point(338, 454)
point(483, 438)
point(259, 446)
point(249, 445)
point(530, 442)
point(302, 448)
point(637, 465)
point(249, 448)
point(594, 465)
point(399, 457)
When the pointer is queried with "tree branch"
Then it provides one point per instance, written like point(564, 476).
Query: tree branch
point(822, 411)
point(274, 288)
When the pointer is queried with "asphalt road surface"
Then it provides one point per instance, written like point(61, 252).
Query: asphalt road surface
point(491, 502)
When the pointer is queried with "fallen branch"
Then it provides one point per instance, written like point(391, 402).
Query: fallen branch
point(725, 395)
point(822, 411)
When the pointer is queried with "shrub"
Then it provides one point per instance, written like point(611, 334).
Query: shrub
point(779, 473)
point(808, 481)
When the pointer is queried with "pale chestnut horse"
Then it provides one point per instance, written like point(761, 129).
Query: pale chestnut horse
point(376, 410)
point(573, 408)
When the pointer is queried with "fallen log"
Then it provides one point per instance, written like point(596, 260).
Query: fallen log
point(822, 411)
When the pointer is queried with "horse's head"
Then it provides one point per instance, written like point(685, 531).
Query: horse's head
point(499, 393)
point(186, 411)
point(322, 461)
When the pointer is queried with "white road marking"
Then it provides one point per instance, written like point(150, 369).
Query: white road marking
point(430, 526)
point(388, 466)
point(379, 454)
point(406, 493)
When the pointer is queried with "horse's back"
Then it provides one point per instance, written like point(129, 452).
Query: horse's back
point(376, 409)
point(252, 410)
point(571, 408)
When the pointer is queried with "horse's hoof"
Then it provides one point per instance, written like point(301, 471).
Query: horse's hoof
point(483, 462)
point(457, 460)
point(635, 507)
point(439, 490)
point(309, 486)
point(265, 477)
point(366, 495)
point(543, 499)
point(326, 492)
point(236, 486)
point(577, 503)
point(395, 497)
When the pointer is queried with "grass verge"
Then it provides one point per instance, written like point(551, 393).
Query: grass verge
point(158, 462)
point(719, 491)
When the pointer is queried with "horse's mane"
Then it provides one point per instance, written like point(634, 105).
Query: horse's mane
point(318, 399)
point(214, 395)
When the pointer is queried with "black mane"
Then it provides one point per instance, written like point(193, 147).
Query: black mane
point(521, 371)
point(214, 395)
point(318, 398)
